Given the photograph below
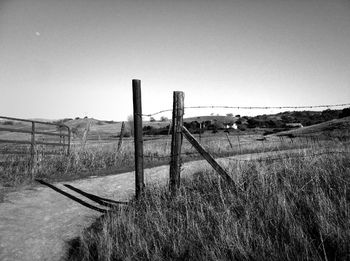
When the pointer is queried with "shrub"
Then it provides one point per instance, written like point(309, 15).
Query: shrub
point(163, 118)
point(344, 113)
point(8, 123)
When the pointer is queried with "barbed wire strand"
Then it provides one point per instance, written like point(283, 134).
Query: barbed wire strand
point(253, 107)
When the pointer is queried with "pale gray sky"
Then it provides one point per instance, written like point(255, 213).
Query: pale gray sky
point(75, 58)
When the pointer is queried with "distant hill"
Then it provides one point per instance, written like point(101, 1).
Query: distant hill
point(306, 118)
point(333, 128)
point(96, 129)
point(274, 123)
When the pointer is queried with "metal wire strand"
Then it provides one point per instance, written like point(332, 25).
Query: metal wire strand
point(253, 107)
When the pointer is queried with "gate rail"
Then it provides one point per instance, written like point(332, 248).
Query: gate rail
point(34, 142)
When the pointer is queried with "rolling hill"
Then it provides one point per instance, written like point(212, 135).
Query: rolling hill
point(335, 128)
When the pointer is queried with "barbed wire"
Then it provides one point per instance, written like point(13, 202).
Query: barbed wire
point(253, 107)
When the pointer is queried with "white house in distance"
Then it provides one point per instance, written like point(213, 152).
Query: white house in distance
point(234, 126)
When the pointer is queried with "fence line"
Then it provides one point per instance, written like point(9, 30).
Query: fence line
point(179, 131)
point(252, 107)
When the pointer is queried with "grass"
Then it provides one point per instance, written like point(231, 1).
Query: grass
point(99, 158)
point(102, 157)
point(290, 209)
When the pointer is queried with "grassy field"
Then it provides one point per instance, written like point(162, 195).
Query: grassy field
point(295, 208)
point(287, 208)
point(101, 157)
point(96, 153)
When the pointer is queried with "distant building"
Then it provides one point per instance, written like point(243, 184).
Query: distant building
point(294, 125)
point(230, 125)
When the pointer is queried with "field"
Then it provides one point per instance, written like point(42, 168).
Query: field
point(95, 151)
point(294, 208)
point(293, 205)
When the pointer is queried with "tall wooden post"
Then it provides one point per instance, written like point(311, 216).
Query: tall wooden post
point(138, 141)
point(176, 141)
point(32, 153)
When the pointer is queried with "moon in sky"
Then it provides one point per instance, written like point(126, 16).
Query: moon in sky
point(37, 33)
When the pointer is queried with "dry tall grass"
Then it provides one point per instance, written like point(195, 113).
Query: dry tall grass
point(291, 209)
point(99, 158)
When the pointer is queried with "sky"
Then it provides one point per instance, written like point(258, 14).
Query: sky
point(66, 59)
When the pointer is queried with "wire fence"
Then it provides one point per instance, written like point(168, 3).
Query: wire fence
point(95, 150)
point(261, 147)
point(157, 148)
point(252, 107)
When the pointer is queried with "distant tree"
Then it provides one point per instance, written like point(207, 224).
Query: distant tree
point(329, 114)
point(229, 114)
point(238, 116)
point(77, 118)
point(152, 119)
point(163, 118)
point(252, 123)
point(8, 123)
point(216, 126)
point(242, 127)
point(212, 114)
point(344, 113)
point(85, 117)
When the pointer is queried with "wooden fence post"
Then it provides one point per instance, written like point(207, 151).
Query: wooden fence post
point(121, 135)
point(176, 141)
point(138, 141)
point(32, 153)
point(69, 137)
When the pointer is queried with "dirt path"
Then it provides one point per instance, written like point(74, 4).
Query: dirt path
point(35, 224)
